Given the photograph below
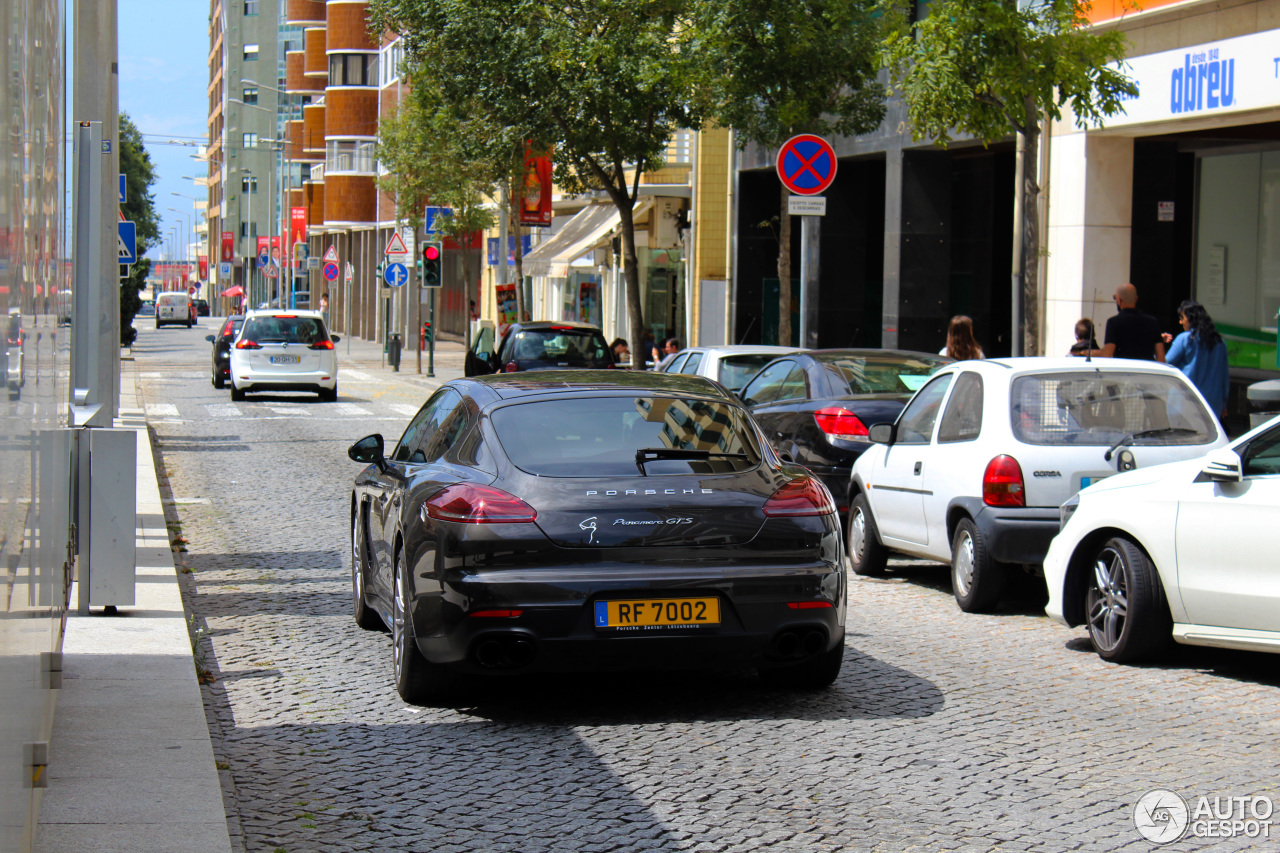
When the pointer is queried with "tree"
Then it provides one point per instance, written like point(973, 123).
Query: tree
point(993, 68)
point(605, 83)
point(782, 67)
point(139, 208)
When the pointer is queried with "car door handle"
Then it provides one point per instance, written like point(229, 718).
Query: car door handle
point(918, 466)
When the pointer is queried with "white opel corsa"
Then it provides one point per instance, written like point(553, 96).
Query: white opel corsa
point(1184, 550)
point(973, 471)
point(284, 351)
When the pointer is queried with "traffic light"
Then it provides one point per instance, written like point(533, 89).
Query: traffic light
point(431, 265)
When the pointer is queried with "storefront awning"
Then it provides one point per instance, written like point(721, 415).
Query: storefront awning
point(578, 236)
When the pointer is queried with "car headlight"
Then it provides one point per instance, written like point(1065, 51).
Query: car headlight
point(1067, 510)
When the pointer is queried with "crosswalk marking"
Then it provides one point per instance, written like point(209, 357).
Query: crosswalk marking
point(223, 410)
point(162, 410)
point(348, 410)
point(357, 375)
point(403, 409)
point(296, 411)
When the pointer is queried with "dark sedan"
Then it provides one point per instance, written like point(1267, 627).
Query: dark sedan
point(539, 345)
point(816, 406)
point(589, 520)
point(222, 349)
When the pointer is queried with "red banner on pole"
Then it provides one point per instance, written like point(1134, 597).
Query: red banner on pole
point(298, 224)
point(228, 246)
point(535, 191)
point(203, 263)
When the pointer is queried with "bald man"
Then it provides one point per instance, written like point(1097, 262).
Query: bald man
point(1131, 333)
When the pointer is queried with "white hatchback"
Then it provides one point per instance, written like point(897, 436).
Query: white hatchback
point(284, 351)
point(976, 466)
point(1185, 550)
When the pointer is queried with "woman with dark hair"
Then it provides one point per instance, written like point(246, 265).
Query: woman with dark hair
point(1201, 354)
point(961, 345)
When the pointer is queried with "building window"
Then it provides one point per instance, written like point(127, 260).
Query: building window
point(250, 7)
point(353, 69)
point(250, 95)
point(249, 140)
point(389, 61)
point(248, 184)
point(350, 156)
point(250, 53)
point(248, 229)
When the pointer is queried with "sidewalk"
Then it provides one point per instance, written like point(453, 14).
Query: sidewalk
point(367, 357)
point(131, 767)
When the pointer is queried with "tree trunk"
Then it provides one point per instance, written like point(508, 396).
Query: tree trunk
point(634, 310)
point(1030, 190)
point(784, 270)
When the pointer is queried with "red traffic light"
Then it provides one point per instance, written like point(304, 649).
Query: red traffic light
point(431, 253)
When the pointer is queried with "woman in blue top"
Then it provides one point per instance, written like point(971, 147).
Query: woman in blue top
point(1201, 354)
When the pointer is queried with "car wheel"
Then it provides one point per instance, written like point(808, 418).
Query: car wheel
point(976, 579)
point(157, 325)
point(365, 617)
point(814, 674)
point(866, 554)
point(1127, 612)
point(418, 681)
point(329, 395)
point(236, 394)
point(218, 381)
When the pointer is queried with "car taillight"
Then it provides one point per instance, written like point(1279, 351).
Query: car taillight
point(495, 614)
point(478, 505)
point(799, 498)
point(321, 345)
point(809, 605)
point(248, 345)
point(837, 422)
point(511, 367)
point(1002, 483)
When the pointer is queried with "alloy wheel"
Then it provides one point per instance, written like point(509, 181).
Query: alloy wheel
point(397, 626)
point(1107, 600)
point(357, 565)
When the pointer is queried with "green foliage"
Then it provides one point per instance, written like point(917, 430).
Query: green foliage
point(991, 68)
point(139, 208)
point(782, 67)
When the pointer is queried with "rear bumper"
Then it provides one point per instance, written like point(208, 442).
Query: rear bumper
point(286, 381)
point(1018, 534)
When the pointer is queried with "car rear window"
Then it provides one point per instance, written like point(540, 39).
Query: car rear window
point(560, 348)
point(1103, 407)
point(172, 298)
point(879, 374)
point(284, 329)
point(735, 370)
point(600, 436)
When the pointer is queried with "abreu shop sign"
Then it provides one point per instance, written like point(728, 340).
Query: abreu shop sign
point(1216, 78)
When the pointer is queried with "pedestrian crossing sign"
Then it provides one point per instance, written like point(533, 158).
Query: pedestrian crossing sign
point(126, 242)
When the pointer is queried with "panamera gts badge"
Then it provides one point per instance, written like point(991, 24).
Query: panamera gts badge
point(589, 524)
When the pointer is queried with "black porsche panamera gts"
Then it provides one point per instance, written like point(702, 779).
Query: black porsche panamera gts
point(590, 520)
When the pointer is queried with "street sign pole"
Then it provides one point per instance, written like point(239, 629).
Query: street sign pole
point(431, 353)
point(806, 166)
point(810, 243)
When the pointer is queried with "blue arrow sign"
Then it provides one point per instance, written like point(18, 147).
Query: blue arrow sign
point(396, 275)
point(126, 242)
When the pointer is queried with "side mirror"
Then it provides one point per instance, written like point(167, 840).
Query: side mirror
point(881, 433)
point(209, 338)
point(368, 451)
point(334, 338)
point(483, 355)
point(1222, 466)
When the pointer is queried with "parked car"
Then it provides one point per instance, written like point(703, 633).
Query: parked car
point(15, 363)
point(539, 345)
point(221, 369)
point(731, 366)
point(146, 309)
point(979, 487)
point(290, 351)
point(1183, 551)
point(815, 406)
point(175, 308)
point(65, 302)
point(202, 307)
point(549, 522)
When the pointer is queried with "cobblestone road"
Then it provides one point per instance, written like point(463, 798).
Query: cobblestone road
point(944, 732)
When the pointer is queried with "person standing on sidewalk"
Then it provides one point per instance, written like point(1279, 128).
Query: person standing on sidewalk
point(1201, 354)
point(1131, 333)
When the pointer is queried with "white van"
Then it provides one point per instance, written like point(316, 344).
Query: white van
point(65, 300)
point(175, 308)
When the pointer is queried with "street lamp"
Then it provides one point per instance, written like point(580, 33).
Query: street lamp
point(246, 191)
point(195, 240)
point(271, 193)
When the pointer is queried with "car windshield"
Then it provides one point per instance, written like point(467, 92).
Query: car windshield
point(560, 347)
point(735, 370)
point(1102, 408)
point(878, 373)
point(601, 436)
point(284, 329)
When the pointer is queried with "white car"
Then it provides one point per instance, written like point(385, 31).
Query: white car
point(15, 369)
point(176, 308)
point(976, 466)
point(1183, 549)
point(284, 351)
point(731, 366)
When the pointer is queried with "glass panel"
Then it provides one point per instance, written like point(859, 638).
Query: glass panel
point(963, 419)
point(879, 374)
point(915, 426)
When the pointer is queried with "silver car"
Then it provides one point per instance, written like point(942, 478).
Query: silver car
point(731, 366)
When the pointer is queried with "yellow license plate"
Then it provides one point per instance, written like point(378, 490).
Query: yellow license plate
point(658, 612)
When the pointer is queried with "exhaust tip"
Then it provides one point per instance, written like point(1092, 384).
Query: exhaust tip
point(520, 652)
point(491, 654)
point(813, 643)
point(787, 644)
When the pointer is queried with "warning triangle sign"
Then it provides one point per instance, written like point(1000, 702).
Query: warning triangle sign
point(122, 249)
point(396, 246)
point(331, 256)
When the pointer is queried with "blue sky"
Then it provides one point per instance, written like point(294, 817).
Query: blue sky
point(164, 78)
